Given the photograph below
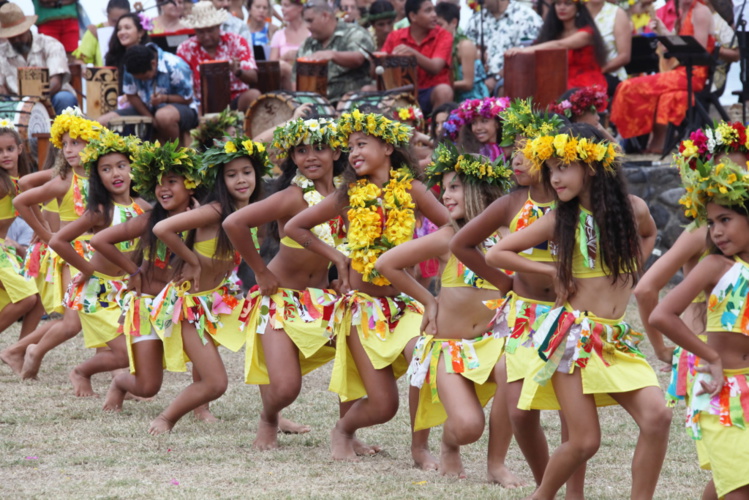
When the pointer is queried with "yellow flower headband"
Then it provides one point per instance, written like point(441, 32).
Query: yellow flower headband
point(376, 125)
point(108, 142)
point(236, 147)
point(151, 161)
point(299, 131)
point(570, 149)
point(725, 184)
point(71, 120)
point(5, 123)
point(476, 169)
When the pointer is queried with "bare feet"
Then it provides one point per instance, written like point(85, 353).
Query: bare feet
point(203, 413)
point(81, 384)
point(423, 459)
point(132, 397)
point(115, 396)
point(342, 445)
point(160, 425)
point(363, 449)
point(12, 359)
point(267, 436)
point(31, 363)
point(289, 427)
point(450, 462)
point(503, 476)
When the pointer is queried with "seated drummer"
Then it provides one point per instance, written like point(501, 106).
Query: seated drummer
point(432, 46)
point(26, 48)
point(212, 44)
point(345, 46)
point(158, 85)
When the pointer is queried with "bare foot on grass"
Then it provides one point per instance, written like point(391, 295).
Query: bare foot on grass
point(160, 425)
point(12, 359)
point(81, 385)
point(450, 463)
point(132, 397)
point(504, 477)
point(363, 449)
point(203, 413)
point(290, 427)
point(114, 399)
point(423, 459)
point(31, 363)
point(267, 436)
point(342, 445)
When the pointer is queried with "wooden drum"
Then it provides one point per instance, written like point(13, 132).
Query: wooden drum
point(33, 81)
point(270, 110)
point(384, 103)
point(215, 86)
point(29, 114)
point(541, 75)
point(101, 90)
point(268, 76)
point(312, 76)
point(397, 71)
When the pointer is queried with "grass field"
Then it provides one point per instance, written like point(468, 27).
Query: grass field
point(54, 445)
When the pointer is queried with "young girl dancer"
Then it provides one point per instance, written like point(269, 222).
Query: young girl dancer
point(70, 133)
point(600, 234)
point(717, 195)
point(374, 325)
point(476, 125)
point(96, 291)
point(156, 176)
point(284, 341)
point(454, 364)
point(209, 313)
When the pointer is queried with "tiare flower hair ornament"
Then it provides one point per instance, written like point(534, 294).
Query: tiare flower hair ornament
point(409, 114)
point(72, 121)
point(519, 119)
point(153, 160)
point(489, 107)
point(704, 144)
point(107, 143)
point(145, 22)
point(300, 131)
point(570, 149)
point(473, 168)
point(376, 125)
point(236, 147)
point(726, 184)
point(586, 100)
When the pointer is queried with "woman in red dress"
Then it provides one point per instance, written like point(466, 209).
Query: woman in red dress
point(570, 26)
point(648, 103)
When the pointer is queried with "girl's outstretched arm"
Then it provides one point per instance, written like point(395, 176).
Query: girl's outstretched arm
point(504, 255)
point(27, 201)
point(393, 264)
point(428, 204)
point(61, 241)
point(35, 179)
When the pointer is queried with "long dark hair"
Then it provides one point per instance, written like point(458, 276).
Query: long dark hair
point(552, 29)
point(116, 52)
point(99, 199)
point(619, 245)
point(24, 162)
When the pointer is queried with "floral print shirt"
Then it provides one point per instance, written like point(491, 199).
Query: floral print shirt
point(173, 76)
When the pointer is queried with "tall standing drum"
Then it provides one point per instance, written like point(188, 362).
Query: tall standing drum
point(268, 76)
point(215, 86)
point(270, 110)
point(541, 75)
point(312, 76)
point(101, 90)
point(397, 71)
point(33, 81)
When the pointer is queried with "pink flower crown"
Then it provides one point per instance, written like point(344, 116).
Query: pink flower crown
point(489, 107)
point(586, 100)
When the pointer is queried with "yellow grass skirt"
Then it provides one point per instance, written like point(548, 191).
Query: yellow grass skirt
point(15, 287)
point(305, 316)
point(474, 359)
point(99, 304)
point(384, 325)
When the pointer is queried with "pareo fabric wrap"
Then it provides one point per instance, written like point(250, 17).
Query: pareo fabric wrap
point(98, 301)
point(306, 316)
point(14, 287)
point(54, 268)
point(39, 266)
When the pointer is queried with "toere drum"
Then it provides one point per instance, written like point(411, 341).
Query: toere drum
point(101, 90)
point(397, 71)
point(215, 86)
point(541, 75)
point(312, 76)
point(33, 81)
point(268, 76)
point(270, 110)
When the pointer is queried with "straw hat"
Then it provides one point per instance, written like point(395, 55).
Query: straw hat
point(205, 15)
point(13, 22)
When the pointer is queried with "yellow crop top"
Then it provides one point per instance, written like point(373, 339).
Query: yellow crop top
point(52, 206)
point(457, 275)
point(288, 242)
point(123, 213)
point(528, 214)
point(73, 204)
point(587, 239)
point(7, 211)
point(207, 248)
point(727, 309)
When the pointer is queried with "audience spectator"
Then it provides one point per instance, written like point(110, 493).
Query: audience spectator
point(261, 29)
point(640, 14)
point(59, 20)
point(128, 31)
point(232, 24)
point(210, 43)
point(432, 47)
point(616, 31)
point(285, 43)
point(89, 51)
point(26, 48)
point(439, 116)
point(401, 19)
point(345, 46)
point(351, 12)
point(380, 20)
point(169, 19)
point(728, 48)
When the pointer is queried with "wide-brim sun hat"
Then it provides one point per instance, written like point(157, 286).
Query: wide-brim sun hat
point(205, 15)
point(13, 21)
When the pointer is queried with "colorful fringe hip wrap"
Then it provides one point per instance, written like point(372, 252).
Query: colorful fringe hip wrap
point(731, 405)
point(15, 287)
point(683, 370)
point(99, 303)
point(306, 316)
point(39, 265)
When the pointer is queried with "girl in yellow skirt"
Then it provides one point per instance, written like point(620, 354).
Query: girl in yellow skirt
point(374, 324)
point(70, 133)
point(200, 308)
point(718, 401)
point(532, 294)
point(289, 315)
point(588, 355)
point(96, 291)
point(156, 176)
point(454, 365)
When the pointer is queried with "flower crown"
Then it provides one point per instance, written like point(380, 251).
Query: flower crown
point(108, 142)
point(71, 120)
point(489, 107)
point(151, 161)
point(376, 125)
point(5, 123)
point(519, 119)
point(476, 169)
point(236, 147)
point(704, 144)
point(570, 149)
point(586, 100)
point(215, 128)
point(409, 113)
point(726, 184)
point(299, 131)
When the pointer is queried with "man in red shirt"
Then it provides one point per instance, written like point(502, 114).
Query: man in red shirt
point(432, 47)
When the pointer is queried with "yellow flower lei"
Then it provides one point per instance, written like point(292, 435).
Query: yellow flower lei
point(325, 230)
point(71, 120)
point(379, 219)
point(570, 149)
